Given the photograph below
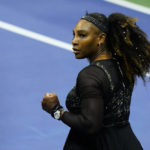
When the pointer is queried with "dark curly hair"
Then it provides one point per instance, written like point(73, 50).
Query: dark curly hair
point(128, 44)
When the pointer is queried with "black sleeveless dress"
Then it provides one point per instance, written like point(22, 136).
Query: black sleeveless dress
point(99, 108)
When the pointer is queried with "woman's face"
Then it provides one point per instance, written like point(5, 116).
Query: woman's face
point(85, 40)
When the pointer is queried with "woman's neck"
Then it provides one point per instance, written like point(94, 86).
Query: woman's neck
point(101, 56)
point(105, 55)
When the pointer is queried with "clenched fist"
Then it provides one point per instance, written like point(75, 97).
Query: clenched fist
point(49, 101)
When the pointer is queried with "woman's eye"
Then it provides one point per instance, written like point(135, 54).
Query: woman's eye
point(82, 35)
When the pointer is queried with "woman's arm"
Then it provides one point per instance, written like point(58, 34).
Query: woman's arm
point(92, 104)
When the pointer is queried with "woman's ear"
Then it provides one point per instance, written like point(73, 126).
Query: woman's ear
point(101, 38)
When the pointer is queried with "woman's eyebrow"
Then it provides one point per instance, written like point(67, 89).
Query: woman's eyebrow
point(79, 31)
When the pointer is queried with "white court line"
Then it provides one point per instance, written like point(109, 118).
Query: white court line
point(148, 75)
point(35, 36)
point(38, 37)
point(131, 5)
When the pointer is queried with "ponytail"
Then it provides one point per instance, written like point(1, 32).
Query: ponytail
point(129, 45)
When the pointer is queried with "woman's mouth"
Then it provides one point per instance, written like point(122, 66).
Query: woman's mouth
point(76, 51)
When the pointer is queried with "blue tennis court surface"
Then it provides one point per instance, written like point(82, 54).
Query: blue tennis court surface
point(30, 68)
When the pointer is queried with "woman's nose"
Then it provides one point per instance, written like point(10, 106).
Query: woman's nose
point(74, 41)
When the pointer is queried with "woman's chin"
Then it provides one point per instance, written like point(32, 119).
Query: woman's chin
point(77, 56)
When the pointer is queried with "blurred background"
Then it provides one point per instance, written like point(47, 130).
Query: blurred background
point(36, 57)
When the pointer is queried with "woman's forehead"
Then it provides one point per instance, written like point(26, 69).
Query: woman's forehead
point(85, 25)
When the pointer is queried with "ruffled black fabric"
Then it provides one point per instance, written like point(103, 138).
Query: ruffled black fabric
point(99, 110)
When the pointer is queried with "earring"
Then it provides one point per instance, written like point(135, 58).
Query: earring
point(98, 44)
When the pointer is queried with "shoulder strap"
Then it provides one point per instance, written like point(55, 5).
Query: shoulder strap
point(98, 64)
